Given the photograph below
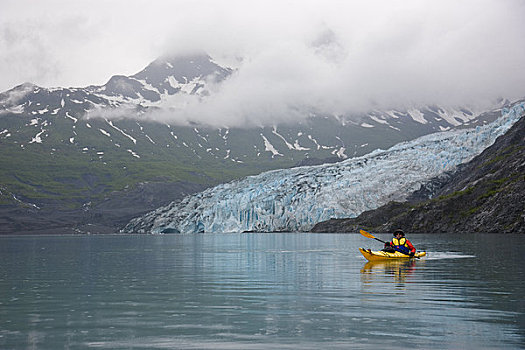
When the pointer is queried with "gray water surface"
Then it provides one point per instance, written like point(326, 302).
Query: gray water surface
point(259, 291)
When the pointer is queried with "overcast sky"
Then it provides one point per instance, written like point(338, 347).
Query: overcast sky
point(333, 55)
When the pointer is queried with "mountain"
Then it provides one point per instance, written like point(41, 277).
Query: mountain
point(484, 195)
point(69, 152)
point(296, 199)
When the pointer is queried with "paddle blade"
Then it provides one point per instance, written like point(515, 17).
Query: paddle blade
point(366, 234)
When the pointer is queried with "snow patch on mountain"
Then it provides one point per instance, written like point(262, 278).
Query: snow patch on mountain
point(378, 120)
point(417, 116)
point(121, 131)
point(38, 137)
point(268, 147)
point(71, 117)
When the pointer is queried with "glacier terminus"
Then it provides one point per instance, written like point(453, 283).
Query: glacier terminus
point(295, 199)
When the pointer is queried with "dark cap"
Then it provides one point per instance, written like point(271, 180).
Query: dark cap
point(399, 231)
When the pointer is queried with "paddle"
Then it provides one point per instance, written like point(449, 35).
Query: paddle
point(368, 235)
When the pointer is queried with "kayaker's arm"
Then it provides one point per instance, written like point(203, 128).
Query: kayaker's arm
point(411, 248)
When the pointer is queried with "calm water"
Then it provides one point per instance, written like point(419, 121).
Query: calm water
point(259, 291)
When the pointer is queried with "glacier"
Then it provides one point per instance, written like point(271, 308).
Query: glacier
point(296, 199)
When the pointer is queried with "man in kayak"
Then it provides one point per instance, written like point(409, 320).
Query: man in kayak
point(400, 244)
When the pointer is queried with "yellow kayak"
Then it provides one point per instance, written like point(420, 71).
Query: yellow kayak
point(378, 255)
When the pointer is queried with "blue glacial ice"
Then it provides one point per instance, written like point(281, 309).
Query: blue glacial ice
point(296, 199)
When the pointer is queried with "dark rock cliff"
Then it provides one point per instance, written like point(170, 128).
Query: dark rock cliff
point(485, 195)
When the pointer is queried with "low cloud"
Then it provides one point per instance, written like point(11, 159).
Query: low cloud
point(291, 58)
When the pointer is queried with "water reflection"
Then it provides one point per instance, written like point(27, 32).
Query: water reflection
point(248, 291)
point(398, 270)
